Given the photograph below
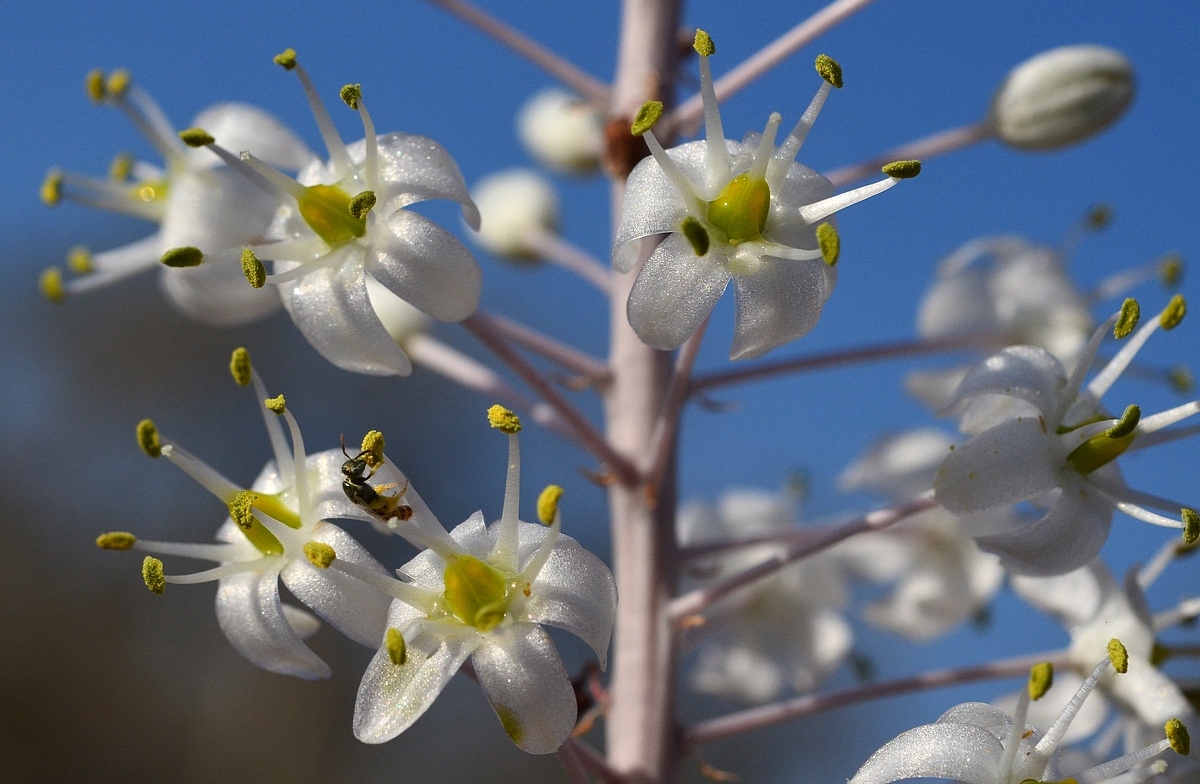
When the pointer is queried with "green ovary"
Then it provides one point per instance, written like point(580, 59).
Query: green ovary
point(476, 593)
point(742, 208)
point(1098, 451)
point(326, 209)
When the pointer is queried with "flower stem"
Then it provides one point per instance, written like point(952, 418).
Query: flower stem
point(594, 371)
point(921, 150)
point(556, 250)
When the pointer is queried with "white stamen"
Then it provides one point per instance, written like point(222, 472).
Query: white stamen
point(432, 537)
point(1150, 424)
point(1163, 437)
point(1185, 610)
point(113, 265)
point(144, 113)
point(197, 469)
point(328, 259)
point(279, 444)
point(220, 553)
point(1149, 573)
point(777, 251)
point(534, 567)
point(787, 151)
point(814, 212)
point(762, 155)
point(216, 573)
point(504, 553)
point(338, 156)
point(270, 184)
point(1016, 732)
point(412, 595)
point(1105, 378)
point(687, 191)
point(300, 481)
point(1124, 281)
point(1036, 762)
point(1108, 770)
point(371, 162)
point(1071, 390)
point(717, 151)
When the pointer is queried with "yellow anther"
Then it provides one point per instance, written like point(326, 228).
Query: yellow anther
point(1098, 217)
point(703, 44)
point(239, 366)
point(361, 204)
point(695, 233)
point(1041, 678)
point(253, 269)
point(241, 509)
point(51, 190)
point(1177, 735)
point(118, 83)
point(902, 170)
point(1126, 424)
point(829, 242)
point(326, 209)
point(351, 94)
point(1118, 656)
point(1181, 379)
point(319, 554)
point(93, 85)
point(1173, 313)
point(397, 649)
point(1170, 270)
point(830, 70)
point(277, 405)
point(196, 137)
point(1191, 527)
point(372, 449)
point(504, 420)
point(1128, 319)
point(79, 260)
point(121, 167)
point(186, 256)
point(152, 574)
point(286, 58)
point(147, 438)
point(647, 116)
point(51, 284)
point(116, 540)
point(547, 504)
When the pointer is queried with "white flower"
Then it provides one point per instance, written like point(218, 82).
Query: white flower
point(485, 592)
point(1061, 97)
point(784, 632)
point(267, 538)
point(561, 131)
point(941, 577)
point(197, 202)
point(976, 743)
point(513, 206)
point(742, 211)
point(343, 222)
point(1058, 450)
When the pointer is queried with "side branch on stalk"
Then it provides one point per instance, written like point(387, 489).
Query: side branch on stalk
point(594, 371)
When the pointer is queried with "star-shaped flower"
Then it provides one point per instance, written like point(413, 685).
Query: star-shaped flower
point(745, 212)
point(269, 536)
point(1058, 450)
point(342, 224)
point(205, 210)
point(484, 593)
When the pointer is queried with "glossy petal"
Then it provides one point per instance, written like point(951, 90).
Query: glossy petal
point(425, 265)
point(674, 293)
point(1153, 696)
point(652, 203)
point(778, 303)
point(354, 608)
point(1024, 372)
point(902, 465)
point(979, 714)
point(1009, 463)
point(1067, 537)
point(240, 126)
point(953, 751)
point(957, 305)
point(416, 168)
point(1073, 598)
point(801, 187)
point(525, 681)
point(215, 210)
point(252, 618)
point(331, 307)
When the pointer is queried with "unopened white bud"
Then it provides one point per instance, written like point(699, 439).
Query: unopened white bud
point(1061, 97)
point(562, 132)
point(515, 206)
point(400, 319)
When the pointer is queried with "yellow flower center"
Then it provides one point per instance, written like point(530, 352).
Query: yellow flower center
point(742, 208)
point(326, 209)
point(476, 593)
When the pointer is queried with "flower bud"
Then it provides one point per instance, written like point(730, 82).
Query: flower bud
point(514, 206)
point(562, 132)
point(1061, 97)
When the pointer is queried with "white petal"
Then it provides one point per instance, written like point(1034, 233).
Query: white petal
point(240, 126)
point(652, 203)
point(1026, 372)
point(778, 303)
point(425, 265)
point(1073, 598)
point(415, 168)
point(1153, 696)
point(952, 751)
point(675, 292)
point(737, 672)
point(391, 698)
point(979, 714)
point(303, 623)
point(525, 681)
point(801, 187)
point(1043, 713)
point(575, 591)
point(354, 608)
point(252, 618)
point(1067, 537)
point(217, 293)
point(1011, 462)
point(331, 307)
point(957, 305)
point(902, 465)
point(215, 210)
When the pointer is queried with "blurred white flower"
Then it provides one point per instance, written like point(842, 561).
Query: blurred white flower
point(561, 131)
point(745, 212)
point(1061, 97)
point(198, 203)
point(1058, 449)
point(784, 632)
point(514, 206)
point(485, 592)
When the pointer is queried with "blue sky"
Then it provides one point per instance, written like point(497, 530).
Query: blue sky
point(911, 69)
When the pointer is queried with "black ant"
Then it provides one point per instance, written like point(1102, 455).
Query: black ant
point(357, 472)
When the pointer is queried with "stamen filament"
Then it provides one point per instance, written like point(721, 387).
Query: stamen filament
point(119, 203)
point(1071, 391)
point(268, 172)
point(717, 151)
point(1163, 437)
point(766, 145)
point(278, 190)
point(302, 269)
point(371, 161)
point(1166, 418)
point(504, 553)
point(197, 469)
point(1015, 733)
point(775, 250)
point(217, 572)
point(795, 140)
point(1105, 378)
point(279, 444)
point(1041, 754)
point(111, 266)
point(531, 570)
point(220, 553)
point(432, 537)
point(811, 213)
point(687, 191)
point(338, 156)
point(1115, 767)
point(300, 478)
point(1124, 281)
point(414, 596)
point(152, 123)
